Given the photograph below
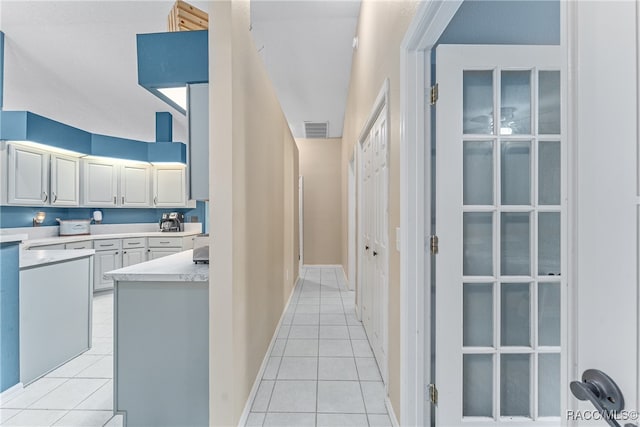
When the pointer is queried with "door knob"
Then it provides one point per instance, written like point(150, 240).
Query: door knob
point(366, 248)
point(603, 392)
point(375, 253)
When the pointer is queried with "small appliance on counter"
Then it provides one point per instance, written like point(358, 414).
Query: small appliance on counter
point(201, 249)
point(172, 221)
point(74, 227)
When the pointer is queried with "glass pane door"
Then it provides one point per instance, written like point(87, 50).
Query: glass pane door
point(511, 243)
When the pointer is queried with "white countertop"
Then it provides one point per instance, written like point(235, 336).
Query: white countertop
point(34, 258)
point(71, 239)
point(172, 268)
point(10, 238)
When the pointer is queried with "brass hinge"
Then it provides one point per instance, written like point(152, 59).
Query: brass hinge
point(433, 98)
point(433, 244)
point(433, 393)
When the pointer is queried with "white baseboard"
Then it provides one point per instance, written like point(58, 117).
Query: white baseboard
point(10, 392)
point(392, 414)
point(322, 266)
point(263, 366)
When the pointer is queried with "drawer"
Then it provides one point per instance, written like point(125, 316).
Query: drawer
point(87, 244)
point(48, 247)
point(165, 242)
point(107, 244)
point(134, 242)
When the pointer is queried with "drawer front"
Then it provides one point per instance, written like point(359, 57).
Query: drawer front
point(134, 242)
point(48, 247)
point(87, 244)
point(106, 245)
point(165, 242)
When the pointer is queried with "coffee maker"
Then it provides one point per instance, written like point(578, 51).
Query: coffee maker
point(172, 221)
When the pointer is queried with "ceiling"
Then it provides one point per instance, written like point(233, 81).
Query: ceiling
point(75, 61)
point(307, 49)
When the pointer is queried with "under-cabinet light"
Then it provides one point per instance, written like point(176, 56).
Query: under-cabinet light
point(48, 148)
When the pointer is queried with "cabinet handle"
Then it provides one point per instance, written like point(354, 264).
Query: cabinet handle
point(117, 253)
point(148, 250)
point(55, 197)
point(104, 245)
point(155, 200)
point(46, 197)
point(123, 200)
point(164, 243)
point(124, 252)
point(129, 243)
point(114, 200)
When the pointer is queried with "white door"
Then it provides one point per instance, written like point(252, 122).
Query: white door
point(65, 180)
point(169, 187)
point(100, 183)
point(105, 261)
point(133, 256)
point(28, 177)
point(135, 185)
point(501, 273)
point(376, 256)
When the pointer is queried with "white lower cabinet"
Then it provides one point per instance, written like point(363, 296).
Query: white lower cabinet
point(134, 251)
point(163, 246)
point(108, 257)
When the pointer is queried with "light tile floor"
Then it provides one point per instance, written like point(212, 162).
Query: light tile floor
point(321, 370)
point(78, 393)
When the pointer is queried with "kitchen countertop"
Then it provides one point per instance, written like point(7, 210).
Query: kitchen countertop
point(34, 258)
point(71, 239)
point(172, 268)
point(10, 238)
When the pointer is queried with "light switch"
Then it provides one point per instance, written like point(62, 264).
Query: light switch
point(398, 239)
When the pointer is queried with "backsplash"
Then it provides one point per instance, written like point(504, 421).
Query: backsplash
point(22, 216)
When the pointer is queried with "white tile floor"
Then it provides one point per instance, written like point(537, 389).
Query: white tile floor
point(78, 393)
point(321, 370)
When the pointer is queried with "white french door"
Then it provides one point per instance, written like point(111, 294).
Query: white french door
point(501, 222)
point(375, 238)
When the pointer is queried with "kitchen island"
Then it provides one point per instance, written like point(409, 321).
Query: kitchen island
point(161, 342)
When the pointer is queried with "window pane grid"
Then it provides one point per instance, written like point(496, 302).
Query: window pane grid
point(516, 358)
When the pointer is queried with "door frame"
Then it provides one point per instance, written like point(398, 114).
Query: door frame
point(380, 104)
point(351, 221)
point(300, 223)
point(428, 24)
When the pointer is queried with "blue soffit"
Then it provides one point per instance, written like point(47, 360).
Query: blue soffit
point(175, 59)
point(27, 126)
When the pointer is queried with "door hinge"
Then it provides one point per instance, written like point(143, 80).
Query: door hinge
point(433, 96)
point(432, 393)
point(433, 244)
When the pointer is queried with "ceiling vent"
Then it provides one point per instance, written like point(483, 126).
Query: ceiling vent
point(316, 129)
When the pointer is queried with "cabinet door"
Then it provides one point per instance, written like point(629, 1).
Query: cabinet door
point(100, 183)
point(28, 176)
point(135, 186)
point(65, 180)
point(105, 261)
point(155, 253)
point(169, 187)
point(133, 256)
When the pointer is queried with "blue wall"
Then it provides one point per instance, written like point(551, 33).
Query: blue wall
point(9, 316)
point(21, 216)
point(505, 22)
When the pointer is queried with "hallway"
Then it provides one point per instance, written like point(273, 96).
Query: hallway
point(321, 370)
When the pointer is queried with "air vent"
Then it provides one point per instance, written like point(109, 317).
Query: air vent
point(316, 129)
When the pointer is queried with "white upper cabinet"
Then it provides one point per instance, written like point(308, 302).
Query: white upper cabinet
point(100, 183)
point(65, 180)
point(169, 186)
point(28, 176)
point(135, 186)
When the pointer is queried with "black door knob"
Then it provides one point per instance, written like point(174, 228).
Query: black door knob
point(375, 253)
point(366, 248)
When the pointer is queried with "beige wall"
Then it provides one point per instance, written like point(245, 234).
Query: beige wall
point(320, 165)
point(381, 27)
point(253, 200)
